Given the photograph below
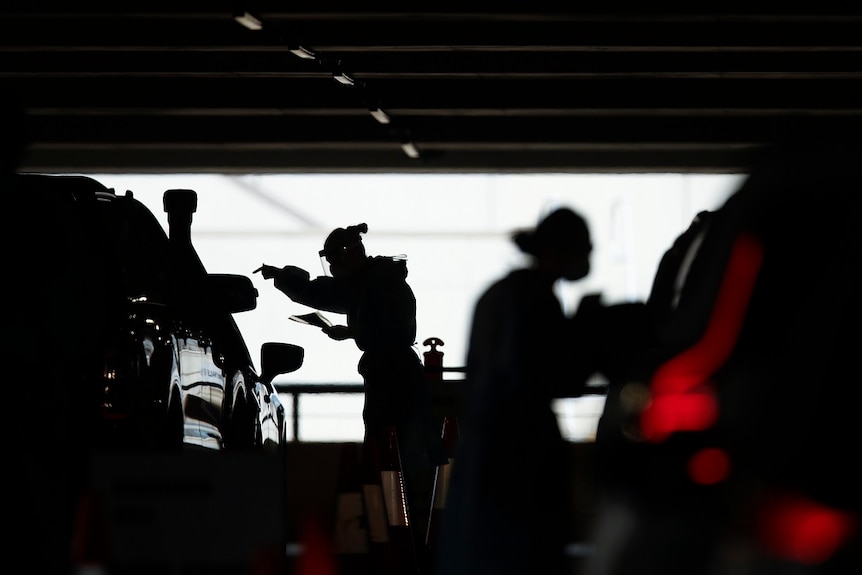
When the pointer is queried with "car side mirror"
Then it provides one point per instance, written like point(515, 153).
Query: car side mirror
point(232, 293)
point(278, 358)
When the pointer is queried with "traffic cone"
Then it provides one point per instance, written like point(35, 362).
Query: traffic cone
point(441, 482)
point(90, 539)
point(318, 555)
point(350, 524)
point(392, 546)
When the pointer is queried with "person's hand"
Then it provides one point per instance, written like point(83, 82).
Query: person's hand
point(266, 271)
point(293, 275)
point(286, 275)
point(337, 332)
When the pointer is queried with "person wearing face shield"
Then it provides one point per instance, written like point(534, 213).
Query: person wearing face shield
point(380, 309)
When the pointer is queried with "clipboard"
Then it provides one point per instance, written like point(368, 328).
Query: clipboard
point(316, 319)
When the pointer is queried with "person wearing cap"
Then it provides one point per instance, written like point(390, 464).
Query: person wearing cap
point(509, 504)
point(380, 309)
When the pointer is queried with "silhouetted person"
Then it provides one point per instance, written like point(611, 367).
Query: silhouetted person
point(372, 291)
point(509, 508)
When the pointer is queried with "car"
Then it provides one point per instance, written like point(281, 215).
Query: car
point(152, 355)
point(735, 429)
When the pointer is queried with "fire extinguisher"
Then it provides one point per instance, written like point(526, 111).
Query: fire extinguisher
point(433, 359)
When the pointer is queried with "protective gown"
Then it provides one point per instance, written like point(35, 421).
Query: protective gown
point(381, 313)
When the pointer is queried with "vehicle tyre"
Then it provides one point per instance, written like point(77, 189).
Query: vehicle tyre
point(240, 426)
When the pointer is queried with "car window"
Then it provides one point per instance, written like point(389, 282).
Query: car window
point(134, 246)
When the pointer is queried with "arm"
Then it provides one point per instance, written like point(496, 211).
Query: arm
point(320, 293)
point(338, 332)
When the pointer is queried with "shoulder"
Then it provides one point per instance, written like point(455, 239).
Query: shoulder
point(508, 286)
point(387, 267)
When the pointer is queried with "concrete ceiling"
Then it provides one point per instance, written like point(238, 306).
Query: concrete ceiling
point(181, 86)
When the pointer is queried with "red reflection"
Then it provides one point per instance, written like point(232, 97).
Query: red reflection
point(802, 530)
point(675, 405)
point(709, 466)
point(694, 411)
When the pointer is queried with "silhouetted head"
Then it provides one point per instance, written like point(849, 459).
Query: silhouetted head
point(344, 251)
point(560, 244)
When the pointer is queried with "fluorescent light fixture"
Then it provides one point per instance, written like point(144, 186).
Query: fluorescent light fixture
point(248, 21)
point(303, 52)
point(379, 115)
point(410, 149)
point(343, 78)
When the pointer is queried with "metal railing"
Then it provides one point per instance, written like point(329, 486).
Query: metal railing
point(442, 391)
point(578, 417)
point(296, 390)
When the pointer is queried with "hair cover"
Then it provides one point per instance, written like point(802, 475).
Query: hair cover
point(562, 230)
point(341, 238)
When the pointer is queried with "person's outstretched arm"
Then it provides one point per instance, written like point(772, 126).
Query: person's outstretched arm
point(296, 283)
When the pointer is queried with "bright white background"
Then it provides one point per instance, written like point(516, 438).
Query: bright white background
point(454, 230)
